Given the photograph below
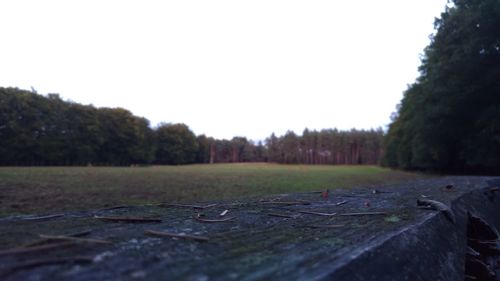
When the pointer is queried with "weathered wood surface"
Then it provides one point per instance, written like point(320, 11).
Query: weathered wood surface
point(389, 238)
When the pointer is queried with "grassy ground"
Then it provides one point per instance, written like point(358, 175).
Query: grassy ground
point(51, 189)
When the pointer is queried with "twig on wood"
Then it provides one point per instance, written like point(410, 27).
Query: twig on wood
point(80, 234)
point(364, 214)
point(44, 217)
point(187, 206)
point(280, 215)
point(44, 241)
point(224, 213)
point(175, 235)
point(376, 191)
point(113, 208)
point(42, 262)
point(23, 250)
point(480, 241)
point(212, 220)
point(340, 203)
point(318, 214)
point(287, 202)
point(324, 225)
point(359, 195)
point(76, 239)
point(127, 219)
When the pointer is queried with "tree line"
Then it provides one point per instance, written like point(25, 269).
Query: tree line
point(38, 130)
point(449, 119)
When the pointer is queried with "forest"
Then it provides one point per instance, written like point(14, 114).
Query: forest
point(37, 130)
point(449, 119)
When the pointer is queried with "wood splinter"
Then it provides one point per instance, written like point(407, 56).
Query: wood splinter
point(340, 203)
point(113, 208)
point(324, 225)
point(76, 239)
point(24, 250)
point(42, 262)
point(212, 220)
point(43, 218)
point(45, 241)
point(187, 206)
point(364, 214)
point(287, 202)
point(318, 213)
point(280, 215)
point(127, 219)
point(175, 235)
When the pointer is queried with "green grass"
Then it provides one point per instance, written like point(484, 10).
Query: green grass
point(50, 189)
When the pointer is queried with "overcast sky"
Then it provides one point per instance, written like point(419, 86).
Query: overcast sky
point(225, 68)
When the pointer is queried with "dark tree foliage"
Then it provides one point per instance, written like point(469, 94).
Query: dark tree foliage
point(176, 144)
point(38, 130)
point(449, 119)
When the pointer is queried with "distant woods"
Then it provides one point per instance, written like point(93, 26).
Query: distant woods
point(36, 130)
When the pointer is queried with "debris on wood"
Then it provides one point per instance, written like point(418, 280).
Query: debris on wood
point(364, 214)
point(318, 213)
point(80, 233)
point(224, 213)
point(448, 187)
point(438, 206)
point(42, 262)
point(280, 215)
point(287, 202)
point(187, 205)
point(75, 239)
point(376, 191)
point(324, 225)
point(45, 241)
point(41, 248)
point(127, 219)
point(325, 193)
point(340, 203)
point(367, 204)
point(113, 208)
point(481, 241)
point(198, 218)
point(43, 218)
point(175, 235)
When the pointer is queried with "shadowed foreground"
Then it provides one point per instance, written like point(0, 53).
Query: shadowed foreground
point(373, 233)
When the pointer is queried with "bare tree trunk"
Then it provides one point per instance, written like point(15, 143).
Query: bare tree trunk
point(212, 153)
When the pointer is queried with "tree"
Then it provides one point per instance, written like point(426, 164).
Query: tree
point(448, 119)
point(176, 144)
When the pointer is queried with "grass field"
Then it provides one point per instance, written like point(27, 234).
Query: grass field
point(50, 189)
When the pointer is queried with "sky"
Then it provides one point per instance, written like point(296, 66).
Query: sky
point(225, 68)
